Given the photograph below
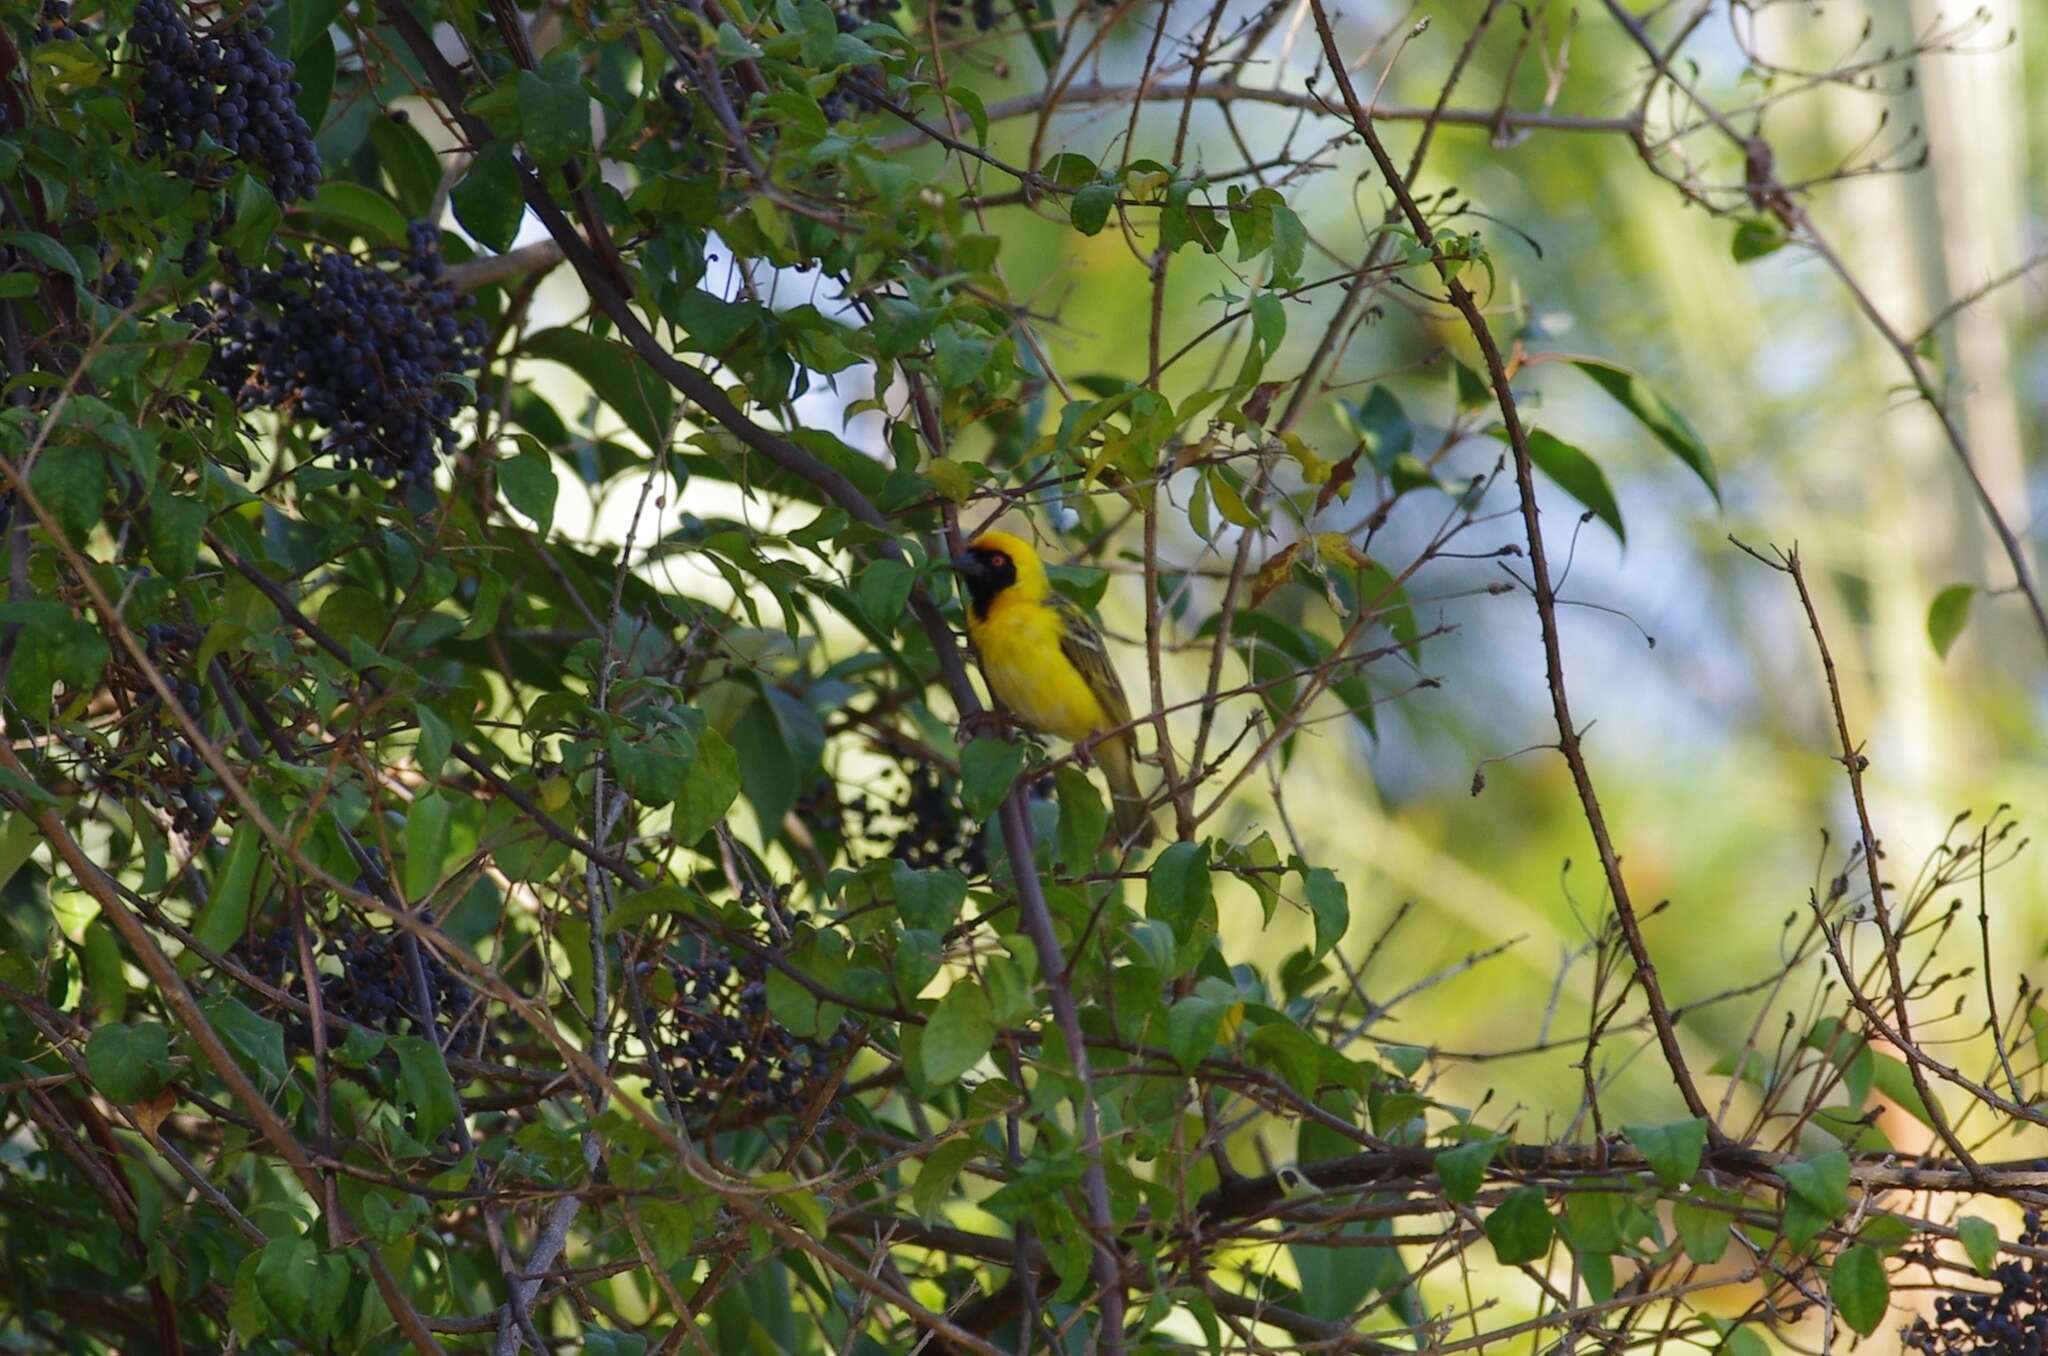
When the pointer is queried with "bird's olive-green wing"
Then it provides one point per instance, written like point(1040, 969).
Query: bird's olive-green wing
point(1082, 644)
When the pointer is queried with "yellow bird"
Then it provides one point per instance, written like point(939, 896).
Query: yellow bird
point(1047, 663)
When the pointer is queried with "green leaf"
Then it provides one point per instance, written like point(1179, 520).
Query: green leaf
point(1592, 1223)
point(632, 389)
point(958, 1034)
point(149, 1197)
point(1886, 1233)
point(227, 910)
point(977, 112)
point(937, 1173)
point(410, 161)
point(1177, 888)
point(928, 900)
point(1741, 1341)
point(45, 251)
point(257, 217)
point(1290, 246)
point(106, 979)
point(71, 482)
point(779, 741)
point(1980, 1241)
point(1204, 1311)
point(528, 481)
point(710, 786)
point(1269, 322)
point(284, 1277)
point(257, 1040)
point(1193, 1025)
point(1895, 1081)
point(129, 1062)
point(792, 1000)
point(483, 620)
point(314, 67)
point(22, 788)
point(1463, 1170)
point(1656, 414)
point(1090, 209)
point(19, 836)
point(642, 905)
point(1084, 819)
point(959, 354)
point(1329, 904)
point(49, 652)
point(173, 532)
point(1290, 1052)
point(487, 198)
point(423, 1078)
point(1578, 475)
point(1069, 170)
point(1820, 1182)
point(1672, 1151)
point(1702, 1229)
point(1337, 1279)
point(1179, 224)
point(1596, 1270)
point(988, 768)
point(248, 1315)
point(883, 591)
point(1755, 238)
point(653, 771)
point(363, 211)
point(554, 117)
point(1947, 615)
point(1800, 1224)
point(1519, 1227)
point(426, 844)
point(352, 613)
point(1860, 1290)
point(1472, 390)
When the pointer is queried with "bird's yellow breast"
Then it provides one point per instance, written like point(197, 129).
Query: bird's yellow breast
point(1021, 656)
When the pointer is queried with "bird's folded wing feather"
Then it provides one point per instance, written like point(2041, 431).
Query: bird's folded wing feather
point(1082, 645)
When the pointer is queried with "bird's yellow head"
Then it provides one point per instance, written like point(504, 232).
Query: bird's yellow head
point(1000, 565)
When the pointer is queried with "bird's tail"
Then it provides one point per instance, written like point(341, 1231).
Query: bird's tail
point(1132, 817)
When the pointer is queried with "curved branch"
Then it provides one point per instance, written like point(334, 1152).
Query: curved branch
point(1539, 571)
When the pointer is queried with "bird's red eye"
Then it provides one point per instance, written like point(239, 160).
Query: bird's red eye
point(997, 559)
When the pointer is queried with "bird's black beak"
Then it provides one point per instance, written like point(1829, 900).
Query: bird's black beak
point(977, 582)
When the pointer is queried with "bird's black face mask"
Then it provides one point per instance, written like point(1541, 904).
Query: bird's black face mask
point(986, 572)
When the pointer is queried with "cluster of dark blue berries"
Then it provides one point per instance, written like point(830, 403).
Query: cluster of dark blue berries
point(53, 22)
point(223, 86)
point(378, 357)
point(370, 983)
point(724, 1051)
point(952, 14)
point(170, 769)
point(919, 824)
point(197, 247)
point(119, 284)
point(2009, 1321)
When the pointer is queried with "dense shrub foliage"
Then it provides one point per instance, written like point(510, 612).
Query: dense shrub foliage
point(502, 842)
